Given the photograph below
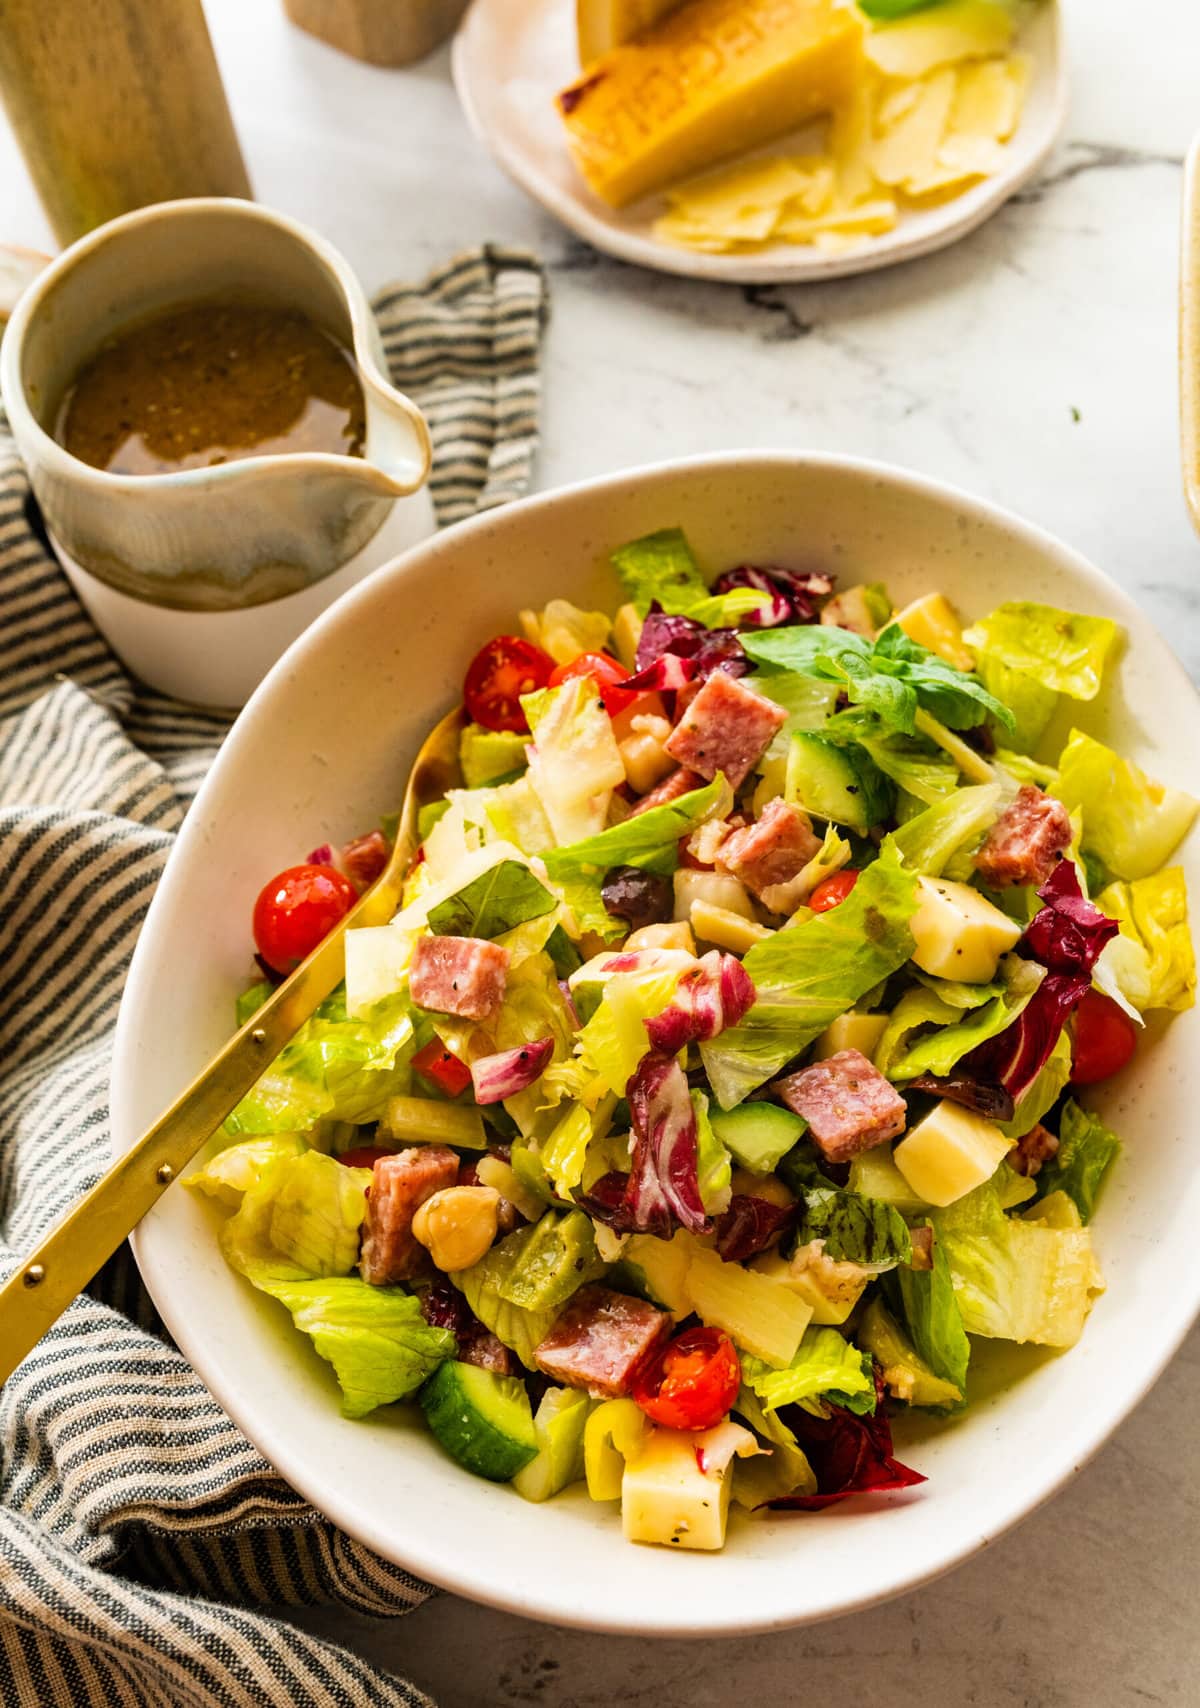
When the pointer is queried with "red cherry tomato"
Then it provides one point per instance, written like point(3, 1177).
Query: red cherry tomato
point(692, 1382)
point(442, 1068)
point(498, 675)
point(366, 1156)
point(296, 909)
point(1105, 1038)
point(606, 673)
point(832, 891)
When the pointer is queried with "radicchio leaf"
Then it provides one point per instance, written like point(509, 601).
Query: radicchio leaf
point(749, 1225)
point(1066, 936)
point(689, 643)
point(443, 1306)
point(364, 858)
point(322, 856)
point(792, 593)
point(509, 1071)
point(716, 993)
point(848, 1454)
point(662, 1190)
point(981, 1096)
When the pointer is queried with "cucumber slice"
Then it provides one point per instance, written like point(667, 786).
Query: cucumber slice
point(481, 1419)
point(838, 783)
point(758, 1135)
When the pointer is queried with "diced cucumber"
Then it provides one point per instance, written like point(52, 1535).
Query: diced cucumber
point(838, 783)
point(481, 1419)
point(758, 1135)
point(558, 1425)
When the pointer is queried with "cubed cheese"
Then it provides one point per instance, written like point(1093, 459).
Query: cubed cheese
point(715, 888)
point(950, 1153)
point(933, 622)
point(728, 930)
point(959, 933)
point(716, 78)
point(676, 1491)
point(850, 1032)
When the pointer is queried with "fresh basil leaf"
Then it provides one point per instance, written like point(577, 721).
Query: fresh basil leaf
point(855, 1229)
point(563, 953)
point(505, 895)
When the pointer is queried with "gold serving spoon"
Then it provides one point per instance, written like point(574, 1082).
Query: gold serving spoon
point(45, 1283)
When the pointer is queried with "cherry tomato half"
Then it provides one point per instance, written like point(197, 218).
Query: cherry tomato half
point(606, 673)
point(1105, 1038)
point(366, 1156)
point(831, 892)
point(296, 909)
point(692, 1382)
point(498, 675)
point(442, 1068)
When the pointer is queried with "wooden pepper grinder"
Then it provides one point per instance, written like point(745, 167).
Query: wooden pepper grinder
point(116, 104)
point(383, 32)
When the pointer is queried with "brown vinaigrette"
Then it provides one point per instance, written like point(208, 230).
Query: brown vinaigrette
point(213, 382)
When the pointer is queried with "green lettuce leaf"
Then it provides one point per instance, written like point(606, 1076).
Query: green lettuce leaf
point(762, 1476)
point(505, 895)
point(1061, 651)
point(930, 1309)
point(1132, 822)
point(648, 840)
point(1032, 705)
point(806, 699)
point(335, 1068)
point(1013, 1279)
point(238, 1168)
point(1153, 960)
point(1087, 1150)
point(301, 1217)
point(520, 1329)
point(809, 974)
point(575, 763)
point(379, 1344)
point(919, 768)
point(891, 676)
point(485, 755)
point(250, 1001)
point(661, 567)
point(956, 824)
point(614, 1040)
point(938, 1051)
point(855, 1229)
point(714, 1169)
point(825, 1367)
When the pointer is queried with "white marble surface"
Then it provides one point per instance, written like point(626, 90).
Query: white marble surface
point(1034, 364)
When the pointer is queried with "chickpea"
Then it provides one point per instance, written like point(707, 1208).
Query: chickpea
point(457, 1225)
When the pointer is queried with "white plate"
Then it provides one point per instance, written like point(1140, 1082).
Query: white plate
point(511, 57)
point(322, 749)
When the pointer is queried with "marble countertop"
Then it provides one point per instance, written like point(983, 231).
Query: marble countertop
point(1034, 364)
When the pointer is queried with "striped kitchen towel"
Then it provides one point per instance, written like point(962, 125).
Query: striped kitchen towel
point(140, 1533)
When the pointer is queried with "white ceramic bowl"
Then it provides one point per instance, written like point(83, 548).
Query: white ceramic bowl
point(322, 749)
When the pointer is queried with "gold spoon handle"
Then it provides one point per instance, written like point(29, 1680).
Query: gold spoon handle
point(45, 1283)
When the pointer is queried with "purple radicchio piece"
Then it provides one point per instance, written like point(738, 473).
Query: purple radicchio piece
point(509, 1071)
point(716, 993)
point(793, 593)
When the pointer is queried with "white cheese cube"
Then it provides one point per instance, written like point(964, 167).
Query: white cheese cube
point(959, 933)
point(851, 1031)
point(718, 889)
point(726, 929)
point(667, 1498)
point(950, 1153)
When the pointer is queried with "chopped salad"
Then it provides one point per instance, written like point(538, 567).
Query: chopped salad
point(722, 1076)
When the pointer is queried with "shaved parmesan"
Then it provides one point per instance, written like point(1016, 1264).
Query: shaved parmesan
point(961, 29)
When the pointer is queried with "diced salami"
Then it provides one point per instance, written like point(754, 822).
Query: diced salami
point(400, 1185)
point(459, 975)
point(680, 782)
point(364, 858)
point(728, 727)
point(848, 1104)
point(772, 851)
point(1026, 841)
point(1036, 1147)
point(601, 1340)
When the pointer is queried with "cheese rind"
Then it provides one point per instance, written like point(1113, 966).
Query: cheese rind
point(717, 78)
point(602, 25)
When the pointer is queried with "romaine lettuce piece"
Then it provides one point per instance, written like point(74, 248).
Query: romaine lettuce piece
point(938, 1052)
point(237, 1169)
point(614, 1040)
point(1087, 1150)
point(649, 840)
point(784, 1471)
point(904, 1371)
point(564, 630)
point(714, 1169)
point(960, 822)
point(250, 1001)
point(929, 1306)
point(575, 763)
point(1061, 650)
point(517, 1327)
point(826, 1367)
point(805, 977)
point(918, 768)
point(377, 961)
point(487, 754)
point(1014, 1279)
point(317, 1209)
point(513, 813)
point(565, 1151)
point(379, 1344)
point(495, 902)
point(1152, 960)
point(806, 699)
point(335, 1068)
point(1031, 704)
point(660, 567)
point(1131, 821)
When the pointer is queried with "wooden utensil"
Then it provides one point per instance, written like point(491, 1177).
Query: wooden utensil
point(46, 1282)
point(383, 32)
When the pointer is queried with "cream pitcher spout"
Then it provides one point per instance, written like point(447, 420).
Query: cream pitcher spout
point(398, 453)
